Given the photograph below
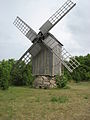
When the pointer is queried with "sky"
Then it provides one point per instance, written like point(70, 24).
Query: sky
point(73, 31)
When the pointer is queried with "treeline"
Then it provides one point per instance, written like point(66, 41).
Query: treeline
point(82, 73)
point(18, 76)
point(22, 76)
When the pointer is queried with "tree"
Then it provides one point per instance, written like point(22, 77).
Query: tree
point(82, 73)
point(4, 75)
point(22, 75)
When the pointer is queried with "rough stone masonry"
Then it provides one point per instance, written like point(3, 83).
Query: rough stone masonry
point(44, 82)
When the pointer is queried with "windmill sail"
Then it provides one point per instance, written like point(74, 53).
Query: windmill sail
point(35, 49)
point(57, 16)
point(65, 57)
point(26, 58)
point(25, 29)
point(22, 62)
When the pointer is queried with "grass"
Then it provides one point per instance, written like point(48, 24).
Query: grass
point(22, 103)
point(61, 99)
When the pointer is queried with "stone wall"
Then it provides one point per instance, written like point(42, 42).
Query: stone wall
point(44, 82)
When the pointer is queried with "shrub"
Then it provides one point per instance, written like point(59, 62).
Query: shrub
point(61, 81)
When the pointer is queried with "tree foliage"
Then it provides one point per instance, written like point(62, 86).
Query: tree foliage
point(5, 68)
point(23, 75)
point(18, 76)
point(82, 73)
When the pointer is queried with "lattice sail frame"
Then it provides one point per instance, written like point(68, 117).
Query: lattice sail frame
point(25, 29)
point(68, 60)
point(22, 62)
point(57, 16)
point(63, 55)
point(26, 58)
point(61, 12)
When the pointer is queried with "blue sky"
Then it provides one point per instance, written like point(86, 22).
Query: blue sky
point(73, 31)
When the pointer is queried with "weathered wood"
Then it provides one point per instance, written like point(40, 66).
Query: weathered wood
point(46, 62)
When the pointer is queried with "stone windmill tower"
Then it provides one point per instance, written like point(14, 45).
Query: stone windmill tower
point(48, 54)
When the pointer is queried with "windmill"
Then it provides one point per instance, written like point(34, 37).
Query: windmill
point(47, 53)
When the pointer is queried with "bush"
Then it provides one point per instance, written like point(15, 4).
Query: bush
point(61, 81)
